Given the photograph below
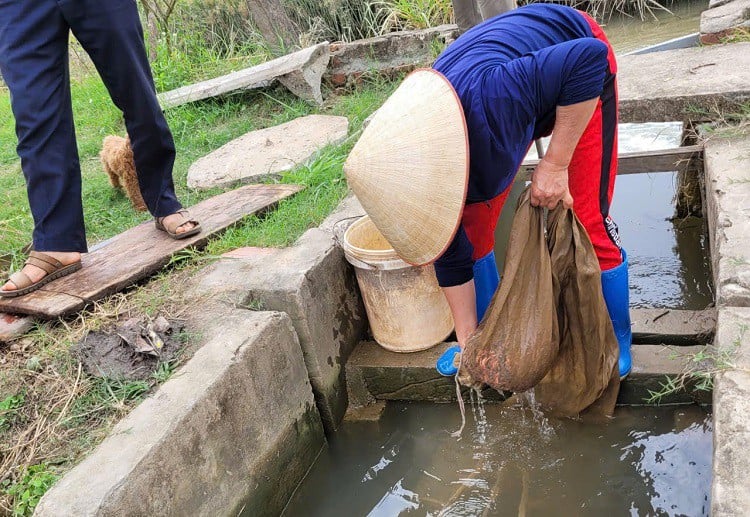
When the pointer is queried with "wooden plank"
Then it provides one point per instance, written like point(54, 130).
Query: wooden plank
point(253, 77)
point(663, 160)
point(140, 251)
point(673, 326)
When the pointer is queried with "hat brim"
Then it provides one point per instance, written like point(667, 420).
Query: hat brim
point(410, 167)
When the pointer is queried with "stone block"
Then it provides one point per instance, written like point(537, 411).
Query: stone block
point(727, 179)
point(388, 54)
point(266, 153)
point(722, 19)
point(235, 428)
point(312, 283)
point(731, 419)
point(678, 84)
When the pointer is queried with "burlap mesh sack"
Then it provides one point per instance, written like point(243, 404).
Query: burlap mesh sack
point(517, 340)
point(585, 370)
point(547, 325)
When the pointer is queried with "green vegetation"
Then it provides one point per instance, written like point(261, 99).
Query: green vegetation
point(30, 488)
point(699, 370)
point(9, 410)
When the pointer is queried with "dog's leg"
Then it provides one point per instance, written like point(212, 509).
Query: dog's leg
point(133, 191)
point(113, 179)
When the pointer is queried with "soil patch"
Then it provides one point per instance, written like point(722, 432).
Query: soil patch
point(130, 351)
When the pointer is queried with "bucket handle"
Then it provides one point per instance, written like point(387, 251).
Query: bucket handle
point(338, 232)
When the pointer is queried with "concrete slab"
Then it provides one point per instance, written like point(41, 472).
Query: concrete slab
point(652, 364)
point(13, 326)
point(299, 71)
point(266, 153)
point(236, 427)
point(727, 179)
point(722, 19)
point(312, 283)
point(682, 84)
point(731, 419)
point(672, 326)
point(733, 336)
point(392, 376)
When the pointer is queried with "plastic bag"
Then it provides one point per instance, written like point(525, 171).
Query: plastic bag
point(547, 325)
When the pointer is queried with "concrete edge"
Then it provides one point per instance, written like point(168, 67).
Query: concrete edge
point(727, 191)
point(375, 373)
point(196, 447)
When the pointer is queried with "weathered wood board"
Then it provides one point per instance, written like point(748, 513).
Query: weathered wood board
point(664, 160)
point(140, 251)
point(673, 326)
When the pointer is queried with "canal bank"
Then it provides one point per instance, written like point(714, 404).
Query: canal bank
point(209, 458)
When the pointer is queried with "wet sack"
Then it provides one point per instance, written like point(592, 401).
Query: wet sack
point(547, 326)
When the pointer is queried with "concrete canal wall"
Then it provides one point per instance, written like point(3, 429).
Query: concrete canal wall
point(727, 169)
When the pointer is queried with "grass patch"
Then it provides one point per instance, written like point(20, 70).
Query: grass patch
point(700, 369)
point(51, 412)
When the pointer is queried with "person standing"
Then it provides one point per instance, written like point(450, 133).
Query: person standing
point(34, 36)
point(538, 70)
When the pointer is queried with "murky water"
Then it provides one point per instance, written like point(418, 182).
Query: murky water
point(645, 461)
point(627, 34)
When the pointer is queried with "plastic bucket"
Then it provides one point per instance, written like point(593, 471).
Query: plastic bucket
point(406, 308)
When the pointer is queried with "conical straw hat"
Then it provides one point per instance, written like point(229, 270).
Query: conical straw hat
point(410, 167)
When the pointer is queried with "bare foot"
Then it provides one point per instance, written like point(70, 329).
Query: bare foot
point(36, 274)
point(175, 218)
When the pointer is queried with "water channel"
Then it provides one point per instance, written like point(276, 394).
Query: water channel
point(646, 461)
point(511, 461)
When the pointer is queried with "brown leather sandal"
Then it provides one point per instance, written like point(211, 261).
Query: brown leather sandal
point(53, 267)
point(158, 222)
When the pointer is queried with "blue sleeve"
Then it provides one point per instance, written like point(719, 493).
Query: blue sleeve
point(520, 91)
point(456, 266)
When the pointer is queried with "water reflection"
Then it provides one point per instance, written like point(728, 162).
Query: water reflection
point(645, 461)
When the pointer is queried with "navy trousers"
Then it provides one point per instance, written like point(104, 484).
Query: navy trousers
point(34, 38)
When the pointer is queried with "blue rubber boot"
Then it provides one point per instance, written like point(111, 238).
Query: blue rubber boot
point(486, 280)
point(615, 290)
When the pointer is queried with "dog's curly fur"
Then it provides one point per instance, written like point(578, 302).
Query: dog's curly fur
point(117, 159)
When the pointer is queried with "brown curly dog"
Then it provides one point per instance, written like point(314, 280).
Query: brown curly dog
point(117, 159)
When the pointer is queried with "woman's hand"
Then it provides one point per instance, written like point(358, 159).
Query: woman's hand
point(549, 185)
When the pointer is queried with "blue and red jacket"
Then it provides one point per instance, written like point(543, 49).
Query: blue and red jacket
point(510, 73)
